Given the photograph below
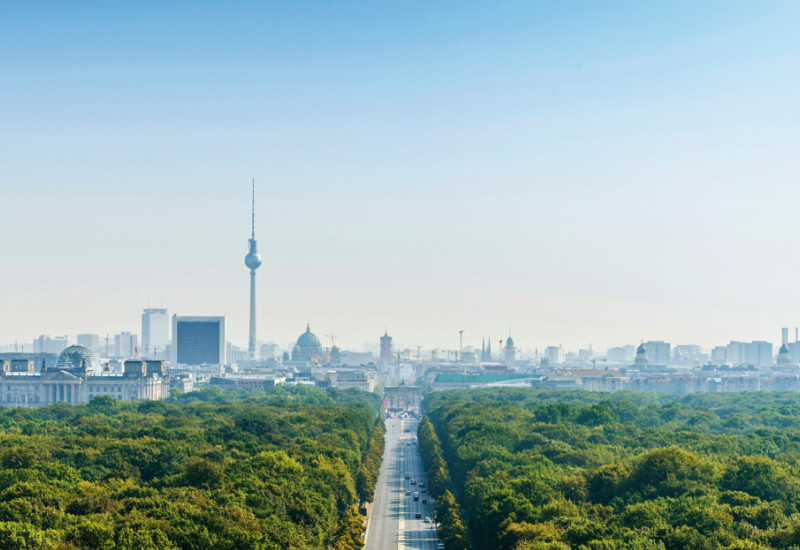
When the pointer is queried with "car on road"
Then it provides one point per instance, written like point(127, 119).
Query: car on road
point(408, 444)
point(408, 492)
point(424, 501)
point(418, 515)
point(427, 519)
point(408, 476)
point(440, 546)
point(413, 482)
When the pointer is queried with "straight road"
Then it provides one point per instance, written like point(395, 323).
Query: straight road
point(393, 524)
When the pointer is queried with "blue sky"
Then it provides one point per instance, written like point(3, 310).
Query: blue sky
point(583, 172)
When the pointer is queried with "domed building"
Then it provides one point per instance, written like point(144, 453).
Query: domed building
point(308, 347)
point(641, 357)
point(783, 356)
point(77, 377)
point(76, 357)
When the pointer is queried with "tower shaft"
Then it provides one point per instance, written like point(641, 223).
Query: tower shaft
point(251, 347)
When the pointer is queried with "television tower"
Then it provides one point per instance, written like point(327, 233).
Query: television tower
point(253, 262)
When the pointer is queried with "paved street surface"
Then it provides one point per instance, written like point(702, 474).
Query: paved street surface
point(392, 523)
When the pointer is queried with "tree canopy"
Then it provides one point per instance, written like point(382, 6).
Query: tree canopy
point(205, 470)
point(547, 469)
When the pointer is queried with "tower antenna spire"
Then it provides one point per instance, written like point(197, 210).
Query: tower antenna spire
point(253, 213)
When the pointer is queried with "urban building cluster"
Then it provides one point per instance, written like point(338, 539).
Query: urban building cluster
point(182, 352)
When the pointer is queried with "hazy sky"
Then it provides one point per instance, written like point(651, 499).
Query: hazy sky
point(583, 172)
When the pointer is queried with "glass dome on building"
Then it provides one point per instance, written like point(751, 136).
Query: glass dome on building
point(74, 356)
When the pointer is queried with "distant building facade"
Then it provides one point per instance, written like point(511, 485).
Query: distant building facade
point(554, 355)
point(486, 351)
point(658, 352)
point(46, 344)
point(641, 360)
point(268, 351)
point(77, 377)
point(386, 347)
point(91, 341)
point(198, 341)
point(509, 352)
point(125, 344)
point(155, 332)
point(621, 354)
point(307, 348)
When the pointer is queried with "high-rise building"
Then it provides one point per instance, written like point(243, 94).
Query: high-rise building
point(658, 352)
point(198, 340)
point(554, 355)
point(268, 351)
point(46, 344)
point(784, 336)
point(155, 333)
point(719, 355)
point(91, 341)
point(386, 347)
point(253, 262)
point(735, 353)
point(125, 344)
point(758, 353)
point(623, 354)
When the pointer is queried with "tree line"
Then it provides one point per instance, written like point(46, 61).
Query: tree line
point(546, 469)
point(448, 513)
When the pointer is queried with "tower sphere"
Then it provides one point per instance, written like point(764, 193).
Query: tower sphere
point(253, 260)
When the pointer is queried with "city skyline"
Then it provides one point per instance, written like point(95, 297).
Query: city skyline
point(584, 174)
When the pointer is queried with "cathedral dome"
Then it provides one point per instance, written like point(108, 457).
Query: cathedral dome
point(308, 340)
point(510, 342)
point(307, 348)
point(640, 350)
point(74, 356)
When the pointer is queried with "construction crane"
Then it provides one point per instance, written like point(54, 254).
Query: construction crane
point(332, 336)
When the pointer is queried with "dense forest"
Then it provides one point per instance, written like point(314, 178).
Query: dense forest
point(205, 470)
point(537, 469)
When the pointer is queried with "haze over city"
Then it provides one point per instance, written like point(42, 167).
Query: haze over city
point(582, 173)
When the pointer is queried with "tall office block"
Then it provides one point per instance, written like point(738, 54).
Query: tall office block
point(91, 341)
point(198, 340)
point(658, 352)
point(46, 344)
point(155, 332)
point(126, 344)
